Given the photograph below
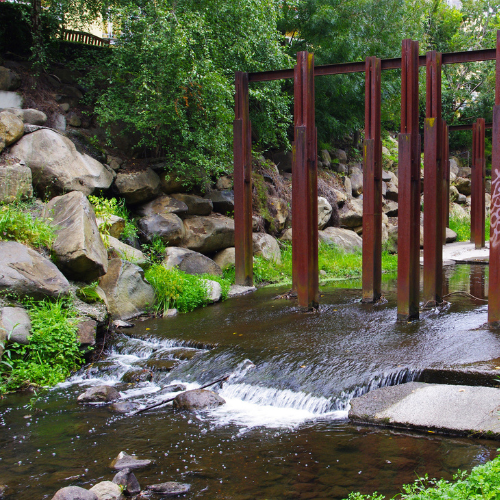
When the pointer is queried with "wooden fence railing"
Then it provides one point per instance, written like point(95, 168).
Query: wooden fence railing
point(86, 38)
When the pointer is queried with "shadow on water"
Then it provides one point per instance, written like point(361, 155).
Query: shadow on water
point(284, 431)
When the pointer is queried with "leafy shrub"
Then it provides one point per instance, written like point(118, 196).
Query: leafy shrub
point(461, 226)
point(17, 223)
point(53, 350)
point(104, 208)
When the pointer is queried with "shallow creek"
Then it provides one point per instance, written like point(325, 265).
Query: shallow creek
point(284, 431)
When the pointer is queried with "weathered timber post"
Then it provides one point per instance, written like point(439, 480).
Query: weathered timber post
point(446, 179)
point(477, 212)
point(305, 186)
point(372, 184)
point(433, 190)
point(409, 187)
point(494, 277)
point(242, 149)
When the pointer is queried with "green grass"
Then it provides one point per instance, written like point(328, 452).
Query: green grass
point(336, 263)
point(17, 223)
point(179, 290)
point(483, 483)
point(104, 208)
point(53, 351)
point(461, 226)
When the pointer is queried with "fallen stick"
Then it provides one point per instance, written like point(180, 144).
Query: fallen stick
point(223, 379)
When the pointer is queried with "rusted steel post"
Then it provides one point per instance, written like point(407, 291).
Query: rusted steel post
point(494, 276)
point(372, 185)
point(446, 180)
point(409, 187)
point(242, 149)
point(433, 190)
point(305, 186)
point(477, 185)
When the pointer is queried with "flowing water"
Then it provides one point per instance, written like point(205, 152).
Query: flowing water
point(284, 432)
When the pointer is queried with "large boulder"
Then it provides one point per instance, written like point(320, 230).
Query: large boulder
point(342, 238)
point(190, 262)
point(197, 399)
point(26, 272)
point(120, 250)
point(112, 225)
point(79, 248)
point(390, 208)
point(168, 227)
point(222, 201)
point(57, 167)
point(463, 185)
point(9, 80)
point(196, 205)
point(127, 481)
point(169, 183)
point(225, 258)
point(351, 214)
point(163, 205)
point(266, 246)
point(74, 493)
point(324, 212)
point(15, 324)
point(107, 490)
point(127, 293)
point(208, 234)
point(138, 187)
point(30, 116)
point(15, 183)
point(392, 192)
point(357, 183)
point(11, 129)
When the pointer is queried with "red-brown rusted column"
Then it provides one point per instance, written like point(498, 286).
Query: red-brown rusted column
point(494, 276)
point(433, 190)
point(372, 185)
point(409, 187)
point(305, 186)
point(242, 148)
point(477, 213)
point(446, 180)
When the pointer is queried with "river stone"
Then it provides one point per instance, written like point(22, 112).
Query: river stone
point(158, 365)
point(453, 194)
point(214, 290)
point(237, 290)
point(57, 167)
point(351, 214)
point(169, 489)
point(112, 225)
point(26, 272)
point(80, 251)
point(341, 197)
point(11, 129)
point(266, 246)
point(225, 258)
point(86, 334)
point(208, 234)
point(345, 239)
point(138, 187)
point(127, 480)
point(172, 388)
point(170, 313)
point(168, 227)
point(163, 205)
point(107, 490)
point(123, 407)
point(74, 493)
point(223, 201)
point(99, 394)
point(120, 250)
point(30, 116)
point(390, 208)
point(127, 293)
point(463, 185)
point(190, 262)
point(462, 199)
point(15, 183)
point(126, 461)
point(196, 205)
point(324, 212)
point(16, 324)
point(137, 376)
point(451, 236)
point(198, 399)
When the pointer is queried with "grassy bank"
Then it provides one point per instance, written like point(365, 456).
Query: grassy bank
point(483, 483)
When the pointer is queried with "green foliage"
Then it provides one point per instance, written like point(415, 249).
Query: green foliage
point(171, 78)
point(177, 289)
point(155, 249)
point(53, 350)
point(461, 226)
point(18, 224)
point(483, 483)
point(104, 208)
point(88, 293)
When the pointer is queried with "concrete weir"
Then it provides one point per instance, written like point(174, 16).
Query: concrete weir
point(444, 409)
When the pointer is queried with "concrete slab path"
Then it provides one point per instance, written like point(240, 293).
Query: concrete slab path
point(447, 409)
point(463, 252)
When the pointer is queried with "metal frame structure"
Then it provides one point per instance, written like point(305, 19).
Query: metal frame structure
point(436, 179)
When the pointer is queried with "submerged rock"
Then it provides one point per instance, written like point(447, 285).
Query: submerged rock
point(198, 399)
point(125, 407)
point(169, 489)
point(127, 480)
point(172, 388)
point(126, 461)
point(74, 493)
point(99, 394)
